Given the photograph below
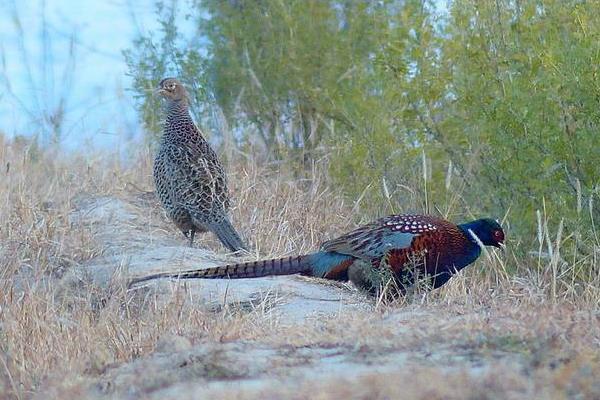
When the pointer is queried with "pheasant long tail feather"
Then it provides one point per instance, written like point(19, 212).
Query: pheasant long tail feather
point(253, 269)
point(228, 235)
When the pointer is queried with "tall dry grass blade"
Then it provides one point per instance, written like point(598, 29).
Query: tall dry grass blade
point(425, 179)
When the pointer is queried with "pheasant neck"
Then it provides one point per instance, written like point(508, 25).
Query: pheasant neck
point(177, 110)
point(473, 250)
point(468, 228)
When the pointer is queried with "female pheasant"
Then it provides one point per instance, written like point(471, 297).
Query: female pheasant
point(405, 244)
point(190, 181)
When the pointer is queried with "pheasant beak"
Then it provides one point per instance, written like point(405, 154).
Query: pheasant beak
point(501, 246)
point(159, 91)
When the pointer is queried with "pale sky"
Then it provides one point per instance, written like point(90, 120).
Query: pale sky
point(99, 109)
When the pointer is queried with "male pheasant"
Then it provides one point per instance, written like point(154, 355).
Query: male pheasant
point(430, 246)
point(190, 181)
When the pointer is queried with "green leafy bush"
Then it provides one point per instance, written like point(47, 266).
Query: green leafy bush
point(490, 109)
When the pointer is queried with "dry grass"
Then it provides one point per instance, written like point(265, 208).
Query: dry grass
point(58, 344)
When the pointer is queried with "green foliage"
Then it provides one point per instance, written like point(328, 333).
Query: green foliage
point(524, 82)
point(490, 109)
point(289, 67)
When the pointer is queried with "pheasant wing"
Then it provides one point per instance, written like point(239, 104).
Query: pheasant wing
point(199, 182)
point(375, 239)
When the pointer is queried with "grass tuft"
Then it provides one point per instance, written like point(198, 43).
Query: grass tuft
point(58, 339)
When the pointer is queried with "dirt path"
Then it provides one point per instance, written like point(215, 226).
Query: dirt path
point(135, 245)
point(324, 340)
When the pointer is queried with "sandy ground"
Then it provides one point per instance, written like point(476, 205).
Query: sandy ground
point(321, 339)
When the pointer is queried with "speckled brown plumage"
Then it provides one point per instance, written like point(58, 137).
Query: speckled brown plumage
point(190, 180)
